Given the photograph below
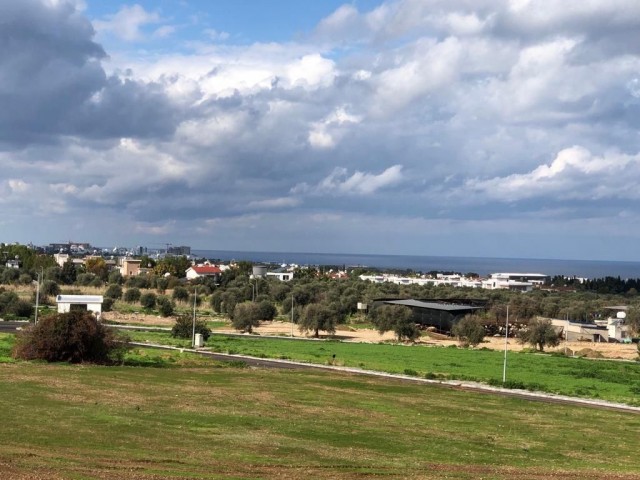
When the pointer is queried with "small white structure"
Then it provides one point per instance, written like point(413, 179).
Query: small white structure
point(282, 276)
point(91, 303)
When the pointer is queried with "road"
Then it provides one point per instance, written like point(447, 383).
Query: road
point(12, 327)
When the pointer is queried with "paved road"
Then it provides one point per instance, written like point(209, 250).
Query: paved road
point(12, 327)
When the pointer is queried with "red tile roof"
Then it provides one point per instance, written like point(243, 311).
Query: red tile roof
point(207, 270)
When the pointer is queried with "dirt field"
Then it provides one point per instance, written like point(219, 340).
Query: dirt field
point(348, 334)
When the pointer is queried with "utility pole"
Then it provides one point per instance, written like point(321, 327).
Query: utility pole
point(506, 337)
point(292, 314)
point(193, 333)
point(35, 321)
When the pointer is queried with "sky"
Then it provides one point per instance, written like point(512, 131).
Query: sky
point(495, 128)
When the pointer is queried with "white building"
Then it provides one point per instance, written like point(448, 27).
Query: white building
point(91, 303)
point(524, 282)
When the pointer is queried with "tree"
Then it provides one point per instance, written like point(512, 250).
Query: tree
point(183, 328)
point(114, 291)
point(49, 287)
point(116, 277)
point(69, 273)
point(633, 319)
point(470, 330)
point(148, 300)
point(175, 266)
point(397, 318)
point(316, 317)
point(165, 306)
point(97, 266)
point(180, 294)
point(267, 310)
point(246, 315)
point(540, 333)
point(70, 337)
point(131, 295)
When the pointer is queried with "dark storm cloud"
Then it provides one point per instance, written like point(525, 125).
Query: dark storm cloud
point(52, 81)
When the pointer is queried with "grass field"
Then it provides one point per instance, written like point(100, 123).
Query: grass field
point(201, 419)
point(602, 379)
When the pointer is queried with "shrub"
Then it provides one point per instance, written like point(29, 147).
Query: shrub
point(131, 295)
point(166, 306)
point(183, 328)
point(49, 287)
point(114, 291)
point(107, 304)
point(70, 337)
point(25, 279)
point(148, 300)
point(180, 294)
point(20, 308)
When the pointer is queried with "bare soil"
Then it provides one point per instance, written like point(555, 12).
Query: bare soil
point(350, 334)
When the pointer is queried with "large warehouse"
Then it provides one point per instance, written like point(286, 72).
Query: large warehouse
point(440, 315)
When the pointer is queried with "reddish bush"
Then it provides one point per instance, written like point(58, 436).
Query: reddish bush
point(73, 337)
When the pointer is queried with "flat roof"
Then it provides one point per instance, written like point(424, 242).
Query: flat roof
point(447, 307)
point(79, 299)
point(516, 274)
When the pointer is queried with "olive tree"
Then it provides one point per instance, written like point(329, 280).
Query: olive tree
point(316, 317)
point(540, 333)
point(246, 315)
point(396, 318)
point(469, 331)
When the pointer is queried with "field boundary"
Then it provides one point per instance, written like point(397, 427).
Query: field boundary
point(455, 384)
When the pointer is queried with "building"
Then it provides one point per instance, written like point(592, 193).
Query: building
point(524, 282)
point(130, 267)
point(442, 316)
point(91, 303)
point(200, 271)
point(179, 250)
point(281, 275)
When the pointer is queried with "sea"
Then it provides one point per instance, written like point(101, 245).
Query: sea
point(480, 265)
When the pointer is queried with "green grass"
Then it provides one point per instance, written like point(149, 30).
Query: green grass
point(601, 379)
point(6, 344)
point(199, 421)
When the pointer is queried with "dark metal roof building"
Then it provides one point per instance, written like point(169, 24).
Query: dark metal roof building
point(442, 316)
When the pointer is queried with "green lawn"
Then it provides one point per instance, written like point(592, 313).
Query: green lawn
point(211, 421)
point(602, 379)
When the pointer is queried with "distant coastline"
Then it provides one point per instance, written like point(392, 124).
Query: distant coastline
point(479, 265)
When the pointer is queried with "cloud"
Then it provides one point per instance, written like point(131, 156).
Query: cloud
point(575, 173)
point(128, 22)
point(454, 113)
point(359, 183)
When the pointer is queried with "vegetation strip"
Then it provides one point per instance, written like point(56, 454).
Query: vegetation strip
point(474, 386)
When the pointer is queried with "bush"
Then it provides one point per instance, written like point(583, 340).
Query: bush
point(114, 291)
point(73, 337)
point(131, 295)
point(50, 288)
point(180, 294)
point(107, 304)
point(166, 306)
point(148, 300)
point(183, 328)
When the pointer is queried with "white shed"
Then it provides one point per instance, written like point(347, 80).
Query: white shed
point(92, 303)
